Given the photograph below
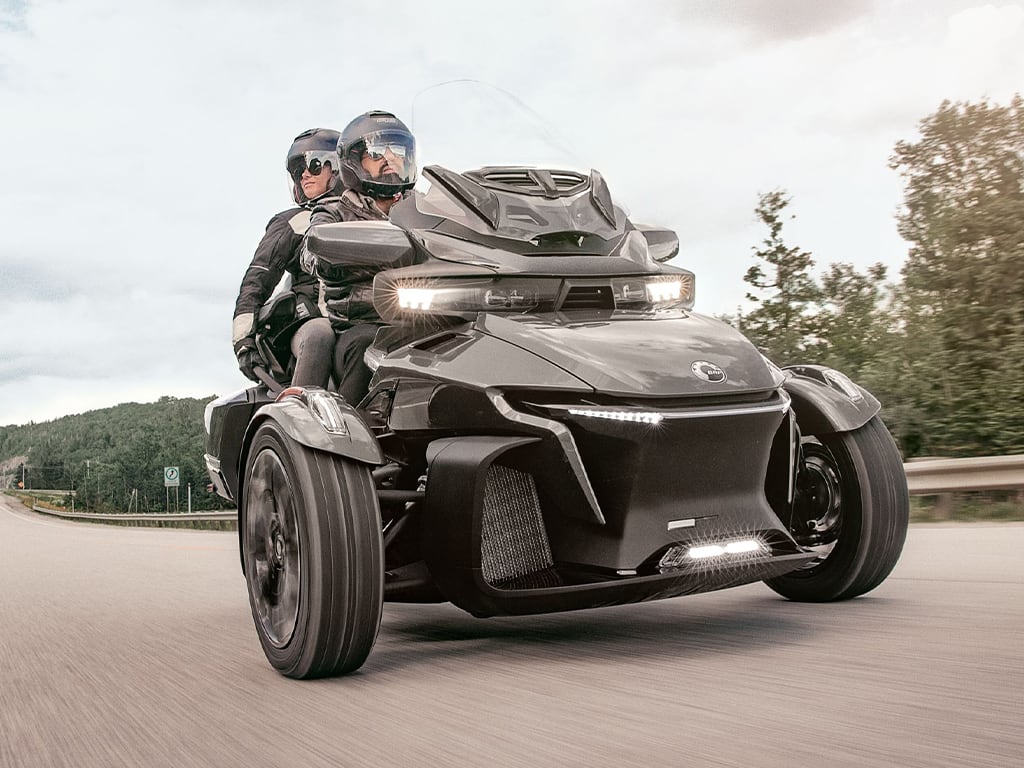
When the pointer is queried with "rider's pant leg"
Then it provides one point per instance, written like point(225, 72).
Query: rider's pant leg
point(349, 368)
point(312, 346)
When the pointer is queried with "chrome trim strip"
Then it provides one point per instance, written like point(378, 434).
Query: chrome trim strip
point(794, 456)
point(565, 440)
point(689, 522)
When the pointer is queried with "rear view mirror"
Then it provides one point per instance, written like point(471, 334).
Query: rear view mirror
point(352, 243)
point(663, 244)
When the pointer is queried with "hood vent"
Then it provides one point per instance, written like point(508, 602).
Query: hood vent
point(588, 297)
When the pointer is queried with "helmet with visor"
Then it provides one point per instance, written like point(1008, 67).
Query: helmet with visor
point(313, 151)
point(378, 155)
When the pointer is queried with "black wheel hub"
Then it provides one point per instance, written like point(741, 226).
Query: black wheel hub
point(273, 567)
point(818, 508)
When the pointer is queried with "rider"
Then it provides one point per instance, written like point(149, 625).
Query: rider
point(378, 168)
point(312, 165)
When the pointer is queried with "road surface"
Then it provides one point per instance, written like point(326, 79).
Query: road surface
point(135, 647)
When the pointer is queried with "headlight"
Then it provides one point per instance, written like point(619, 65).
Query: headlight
point(657, 291)
point(400, 296)
point(470, 295)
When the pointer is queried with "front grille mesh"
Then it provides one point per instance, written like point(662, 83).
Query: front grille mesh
point(514, 542)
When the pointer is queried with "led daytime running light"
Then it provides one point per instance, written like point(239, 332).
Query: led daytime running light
point(643, 417)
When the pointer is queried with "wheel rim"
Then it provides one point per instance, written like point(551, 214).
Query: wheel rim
point(818, 515)
point(273, 567)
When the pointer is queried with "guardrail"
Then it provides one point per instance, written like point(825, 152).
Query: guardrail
point(929, 477)
point(925, 477)
point(175, 517)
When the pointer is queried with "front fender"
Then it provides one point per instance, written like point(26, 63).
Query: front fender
point(825, 400)
point(297, 416)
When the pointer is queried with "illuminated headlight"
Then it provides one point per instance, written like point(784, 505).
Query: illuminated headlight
point(653, 291)
point(669, 290)
point(459, 297)
point(682, 553)
point(415, 298)
point(643, 417)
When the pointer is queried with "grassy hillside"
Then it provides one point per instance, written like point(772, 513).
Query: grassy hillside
point(103, 455)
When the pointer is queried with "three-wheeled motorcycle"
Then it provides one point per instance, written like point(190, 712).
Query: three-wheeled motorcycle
point(550, 427)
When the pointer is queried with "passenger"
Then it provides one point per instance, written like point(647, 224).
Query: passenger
point(378, 168)
point(313, 171)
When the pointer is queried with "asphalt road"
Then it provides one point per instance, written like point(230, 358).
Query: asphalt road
point(135, 647)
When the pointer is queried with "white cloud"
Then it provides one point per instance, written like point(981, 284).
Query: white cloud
point(141, 144)
point(986, 46)
point(977, 29)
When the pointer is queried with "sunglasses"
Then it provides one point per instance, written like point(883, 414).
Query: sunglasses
point(376, 150)
point(314, 162)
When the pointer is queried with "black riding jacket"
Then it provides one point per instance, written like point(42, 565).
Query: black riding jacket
point(350, 300)
point(277, 253)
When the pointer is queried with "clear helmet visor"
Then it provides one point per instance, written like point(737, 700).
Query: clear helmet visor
point(386, 157)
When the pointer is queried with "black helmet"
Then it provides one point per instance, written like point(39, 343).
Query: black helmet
point(379, 135)
point(312, 149)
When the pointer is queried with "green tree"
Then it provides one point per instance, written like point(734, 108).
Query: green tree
point(962, 302)
point(782, 323)
point(104, 454)
point(852, 323)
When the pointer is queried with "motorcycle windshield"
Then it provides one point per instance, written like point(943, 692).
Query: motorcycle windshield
point(493, 166)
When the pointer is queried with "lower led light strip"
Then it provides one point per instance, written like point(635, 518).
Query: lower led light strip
point(729, 548)
point(680, 553)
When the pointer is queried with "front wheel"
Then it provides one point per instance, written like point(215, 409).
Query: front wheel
point(312, 555)
point(852, 509)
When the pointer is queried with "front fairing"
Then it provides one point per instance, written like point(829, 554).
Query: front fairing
point(657, 354)
point(664, 354)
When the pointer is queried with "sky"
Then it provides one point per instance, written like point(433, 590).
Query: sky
point(142, 144)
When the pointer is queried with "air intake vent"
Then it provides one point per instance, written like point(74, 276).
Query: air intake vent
point(567, 180)
point(533, 181)
point(514, 543)
point(511, 179)
point(588, 297)
point(445, 342)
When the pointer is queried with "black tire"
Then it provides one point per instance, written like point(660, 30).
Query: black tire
point(312, 555)
point(861, 490)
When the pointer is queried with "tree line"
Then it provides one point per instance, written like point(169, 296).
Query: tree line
point(114, 458)
point(942, 346)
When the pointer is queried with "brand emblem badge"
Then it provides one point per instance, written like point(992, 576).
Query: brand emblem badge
point(706, 371)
